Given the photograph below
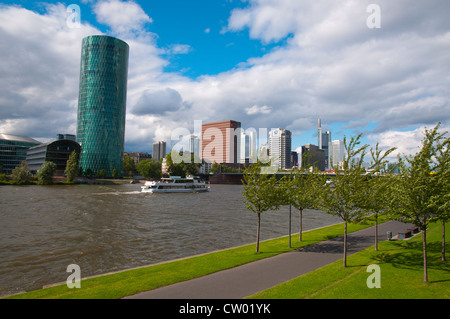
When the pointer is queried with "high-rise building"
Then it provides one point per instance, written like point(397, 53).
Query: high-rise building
point(319, 133)
point(323, 141)
point(194, 145)
point(159, 150)
point(326, 140)
point(336, 153)
point(102, 103)
point(221, 142)
point(314, 156)
point(249, 149)
point(280, 148)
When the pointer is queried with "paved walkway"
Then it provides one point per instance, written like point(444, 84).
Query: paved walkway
point(248, 279)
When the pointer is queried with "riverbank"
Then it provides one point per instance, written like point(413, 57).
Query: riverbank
point(130, 282)
point(399, 261)
point(60, 180)
point(400, 265)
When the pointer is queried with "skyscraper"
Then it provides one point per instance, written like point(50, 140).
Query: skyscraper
point(319, 133)
point(326, 140)
point(323, 141)
point(280, 148)
point(159, 150)
point(221, 142)
point(336, 153)
point(102, 103)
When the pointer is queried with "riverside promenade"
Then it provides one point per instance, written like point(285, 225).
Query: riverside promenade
point(248, 279)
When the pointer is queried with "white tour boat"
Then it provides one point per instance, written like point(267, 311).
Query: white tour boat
point(175, 185)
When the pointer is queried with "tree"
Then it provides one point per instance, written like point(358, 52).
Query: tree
point(378, 192)
point(101, 173)
point(441, 183)
point(149, 168)
point(89, 172)
point(260, 194)
point(416, 187)
point(182, 167)
point(128, 166)
point(21, 173)
point(302, 191)
point(344, 197)
point(45, 173)
point(72, 167)
point(115, 173)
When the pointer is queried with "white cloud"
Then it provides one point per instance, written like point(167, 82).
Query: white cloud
point(178, 49)
point(406, 142)
point(158, 102)
point(123, 17)
point(326, 62)
point(255, 109)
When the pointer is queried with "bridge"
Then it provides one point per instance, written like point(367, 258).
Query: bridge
point(236, 178)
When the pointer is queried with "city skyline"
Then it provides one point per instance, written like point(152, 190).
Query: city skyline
point(228, 59)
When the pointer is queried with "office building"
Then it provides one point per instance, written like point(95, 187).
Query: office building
point(221, 142)
point(294, 159)
point(249, 148)
point(57, 152)
point(159, 150)
point(323, 141)
point(336, 153)
point(13, 151)
point(194, 145)
point(102, 103)
point(326, 140)
point(280, 148)
point(313, 156)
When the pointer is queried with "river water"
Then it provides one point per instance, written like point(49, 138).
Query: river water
point(106, 228)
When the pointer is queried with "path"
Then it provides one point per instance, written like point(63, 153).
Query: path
point(248, 279)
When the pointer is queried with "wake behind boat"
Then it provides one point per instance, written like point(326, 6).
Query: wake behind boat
point(175, 185)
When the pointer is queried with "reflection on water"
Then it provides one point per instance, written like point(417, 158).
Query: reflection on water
point(105, 228)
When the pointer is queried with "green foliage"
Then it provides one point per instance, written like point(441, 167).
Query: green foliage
point(149, 168)
point(301, 189)
point(45, 173)
point(423, 181)
point(21, 173)
point(182, 164)
point(89, 172)
point(72, 167)
point(115, 173)
point(344, 197)
point(400, 275)
point(422, 185)
point(261, 193)
point(101, 173)
point(128, 166)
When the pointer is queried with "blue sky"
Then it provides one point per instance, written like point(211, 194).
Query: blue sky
point(265, 63)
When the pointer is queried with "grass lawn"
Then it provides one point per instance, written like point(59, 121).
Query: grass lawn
point(401, 274)
point(131, 282)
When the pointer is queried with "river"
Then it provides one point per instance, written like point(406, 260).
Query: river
point(107, 228)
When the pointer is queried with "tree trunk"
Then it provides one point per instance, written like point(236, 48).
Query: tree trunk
point(424, 242)
point(443, 240)
point(257, 232)
point(376, 231)
point(345, 243)
point(300, 224)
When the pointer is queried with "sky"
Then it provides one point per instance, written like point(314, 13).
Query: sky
point(376, 67)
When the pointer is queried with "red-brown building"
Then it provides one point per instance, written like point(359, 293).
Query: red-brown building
point(221, 142)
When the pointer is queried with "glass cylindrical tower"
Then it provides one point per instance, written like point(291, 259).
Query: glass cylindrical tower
point(102, 103)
